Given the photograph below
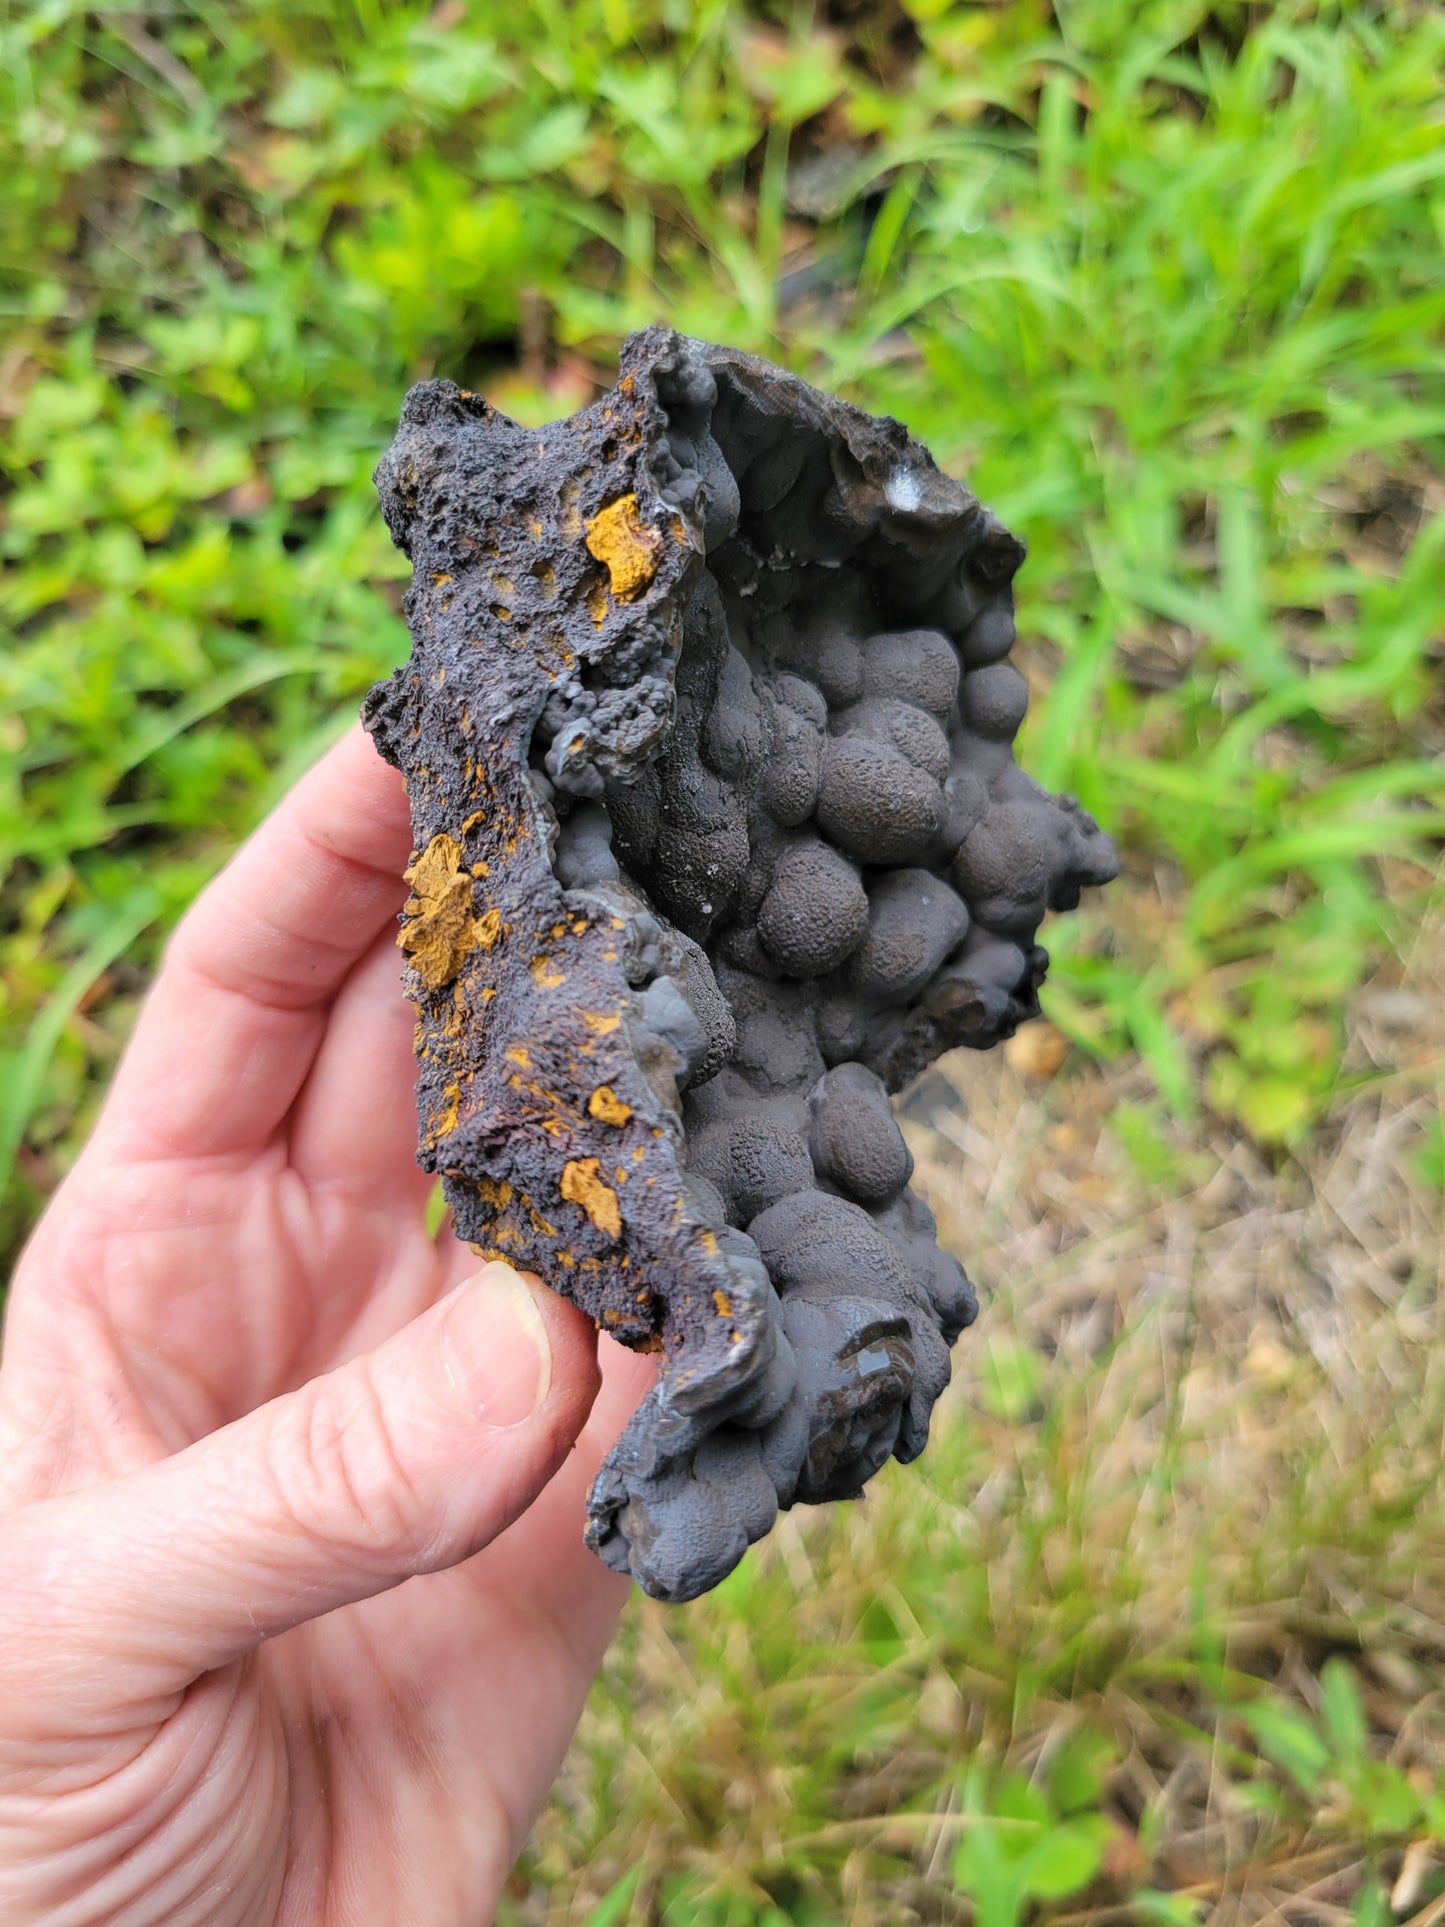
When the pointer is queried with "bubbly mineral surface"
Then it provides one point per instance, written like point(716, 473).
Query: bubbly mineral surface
point(707, 730)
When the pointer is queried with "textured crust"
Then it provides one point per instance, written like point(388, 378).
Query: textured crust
point(719, 839)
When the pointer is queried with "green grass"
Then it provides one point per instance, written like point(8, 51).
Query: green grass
point(1153, 1630)
point(1164, 281)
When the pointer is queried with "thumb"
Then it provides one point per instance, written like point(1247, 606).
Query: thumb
point(400, 1462)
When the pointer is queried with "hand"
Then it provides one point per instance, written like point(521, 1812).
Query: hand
point(244, 1397)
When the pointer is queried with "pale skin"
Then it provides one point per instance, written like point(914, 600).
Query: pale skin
point(295, 1617)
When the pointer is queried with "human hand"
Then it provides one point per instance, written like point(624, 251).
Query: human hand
point(244, 1396)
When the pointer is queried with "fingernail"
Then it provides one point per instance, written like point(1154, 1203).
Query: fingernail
point(495, 1343)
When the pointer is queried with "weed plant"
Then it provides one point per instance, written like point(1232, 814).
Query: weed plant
point(1164, 281)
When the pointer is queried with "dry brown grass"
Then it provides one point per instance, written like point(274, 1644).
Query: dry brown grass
point(1192, 1445)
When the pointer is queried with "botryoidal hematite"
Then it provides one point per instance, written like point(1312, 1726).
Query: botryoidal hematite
point(707, 730)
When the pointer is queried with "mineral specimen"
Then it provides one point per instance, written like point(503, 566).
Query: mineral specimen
point(719, 837)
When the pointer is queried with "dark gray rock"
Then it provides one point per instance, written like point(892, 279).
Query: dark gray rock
point(719, 839)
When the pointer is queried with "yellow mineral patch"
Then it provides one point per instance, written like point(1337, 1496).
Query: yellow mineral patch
point(481, 869)
point(600, 1022)
point(545, 973)
point(517, 1054)
point(494, 1191)
point(438, 930)
point(582, 1185)
point(477, 817)
point(446, 1119)
point(539, 1223)
point(569, 516)
point(607, 1106)
point(723, 1303)
point(488, 928)
point(440, 580)
point(629, 548)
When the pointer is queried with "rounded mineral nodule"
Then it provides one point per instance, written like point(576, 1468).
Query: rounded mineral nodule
point(919, 666)
point(914, 921)
point(815, 912)
point(994, 701)
point(874, 803)
point(988, 638)
point(910, 730)
point(855, 1140)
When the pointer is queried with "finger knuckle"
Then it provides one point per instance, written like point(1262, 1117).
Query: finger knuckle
point(342, 1479)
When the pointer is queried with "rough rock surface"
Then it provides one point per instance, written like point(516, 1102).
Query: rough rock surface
point(719, 840)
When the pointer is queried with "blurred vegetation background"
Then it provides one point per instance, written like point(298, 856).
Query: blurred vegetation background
point(1156, 1629)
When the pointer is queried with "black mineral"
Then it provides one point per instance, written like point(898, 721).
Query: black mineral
point(707, 731)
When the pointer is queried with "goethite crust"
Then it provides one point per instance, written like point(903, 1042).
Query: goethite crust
point(707, 732)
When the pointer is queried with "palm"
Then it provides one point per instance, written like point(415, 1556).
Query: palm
point(248, 1216)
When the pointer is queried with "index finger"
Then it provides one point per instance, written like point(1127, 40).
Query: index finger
point(229, 1031)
